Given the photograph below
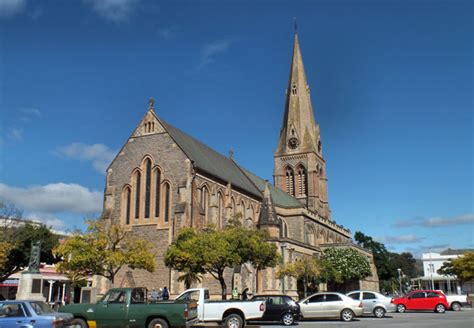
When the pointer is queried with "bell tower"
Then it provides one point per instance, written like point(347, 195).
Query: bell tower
point(299, 166)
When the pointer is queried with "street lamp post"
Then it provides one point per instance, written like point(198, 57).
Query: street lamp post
point(400, 279)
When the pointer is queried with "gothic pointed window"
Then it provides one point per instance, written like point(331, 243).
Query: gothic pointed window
point(147, 187)
point(302, 181)
point(290, 181)
point(167, 199)
point(205, 201)
point(157, 192)
point(138, 179)
point(127, 199)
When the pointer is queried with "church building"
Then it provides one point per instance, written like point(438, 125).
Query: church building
point(163, 180)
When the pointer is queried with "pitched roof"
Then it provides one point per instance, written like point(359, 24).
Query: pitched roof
point(210, 161)
point(224, 168)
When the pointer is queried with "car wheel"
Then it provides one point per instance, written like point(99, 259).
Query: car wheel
point(288, 319)
point(401, 308)
point(158, 323)
point(456, 306)
point(379, 312)
point(347, 315)
point(79, 323)
point(233, 321)
point(440, 308)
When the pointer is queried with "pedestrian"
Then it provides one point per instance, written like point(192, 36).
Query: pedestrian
point(245, 295)
point(154, 295)
point(235, 294)
point(165, 294)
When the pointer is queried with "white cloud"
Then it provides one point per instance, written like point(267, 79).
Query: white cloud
point(114, 10)
point(15, 133)
point(98, 154)
point(437, 221)
point(210, 50)
point(402, 239)
point(47, 219)
point(168, 32)
point(9, 8)
point(53, 198)
point(30, 112)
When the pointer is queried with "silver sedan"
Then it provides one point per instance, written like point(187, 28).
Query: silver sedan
point(330, 305)
point(373, 303)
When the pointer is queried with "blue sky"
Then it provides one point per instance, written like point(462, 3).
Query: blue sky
point(391, 82)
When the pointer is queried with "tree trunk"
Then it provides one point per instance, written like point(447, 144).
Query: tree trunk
point(223, 286)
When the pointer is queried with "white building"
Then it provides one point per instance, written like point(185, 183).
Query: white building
point(431, 279)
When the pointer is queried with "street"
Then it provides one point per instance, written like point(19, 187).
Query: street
point(450, 319)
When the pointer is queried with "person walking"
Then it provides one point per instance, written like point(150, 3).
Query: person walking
point(245, 295)
point(165, 294)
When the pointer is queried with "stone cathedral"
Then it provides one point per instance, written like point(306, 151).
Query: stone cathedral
point(163, 180)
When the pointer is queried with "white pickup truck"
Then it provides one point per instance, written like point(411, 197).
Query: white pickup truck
point(232, 314)
point(456, 301)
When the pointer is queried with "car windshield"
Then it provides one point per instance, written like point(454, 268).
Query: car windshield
point(41, 308)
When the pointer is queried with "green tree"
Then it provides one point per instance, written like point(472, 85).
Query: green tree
point(461, 267)
point(343, 265)
point(103, 250)
point(211, 251)
point(16, 237)
point(385, 269)
point(306, 269)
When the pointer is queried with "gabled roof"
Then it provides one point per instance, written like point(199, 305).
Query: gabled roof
point(224, 168)
point(210, 161)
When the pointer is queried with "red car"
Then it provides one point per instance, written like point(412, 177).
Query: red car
point(422, 300)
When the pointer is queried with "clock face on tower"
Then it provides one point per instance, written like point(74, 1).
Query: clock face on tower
point(293, 143)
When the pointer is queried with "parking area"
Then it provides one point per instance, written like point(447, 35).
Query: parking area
point(450, 319)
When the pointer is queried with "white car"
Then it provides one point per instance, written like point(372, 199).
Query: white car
point(373, 303)
point(232, 314)
point(330, 305)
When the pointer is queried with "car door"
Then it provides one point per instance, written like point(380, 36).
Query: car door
point(112, 312)
point(333, 305)
point(274, 308)
point(356, 296)
point(416, 301)
point(432, 299)
point(369, 300)
point(313, 307)
point(267, 315)
point(13, 315)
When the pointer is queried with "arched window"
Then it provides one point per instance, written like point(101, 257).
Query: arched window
point(157, 192)
point(138, 179)
point(220, 214)
point(205, 200)
point(294, 89)
point(167, 199)
point(147, 187)
point(302, 180)
point(126, 208)
point(290, 181)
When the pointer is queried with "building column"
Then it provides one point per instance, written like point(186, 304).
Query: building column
point(64, 293)
point(50, 292)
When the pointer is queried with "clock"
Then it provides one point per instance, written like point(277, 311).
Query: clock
point(293, 142)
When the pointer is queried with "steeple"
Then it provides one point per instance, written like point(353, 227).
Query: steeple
point(299, 163)
point(299, 132)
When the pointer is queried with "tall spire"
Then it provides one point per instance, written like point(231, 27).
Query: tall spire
point(300, 169)
point(299, 132)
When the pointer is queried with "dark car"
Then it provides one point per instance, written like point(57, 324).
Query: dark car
point(280, 308)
